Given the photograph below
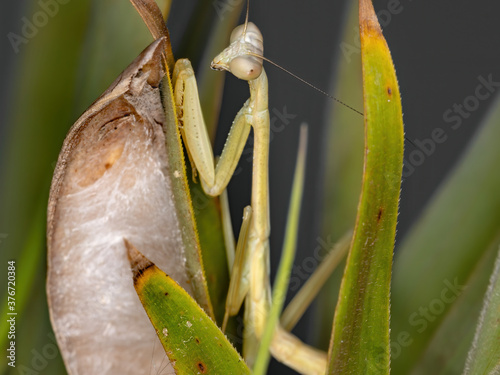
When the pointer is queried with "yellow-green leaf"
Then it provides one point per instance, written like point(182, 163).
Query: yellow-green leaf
point(447, 349)
point(484, 356)
point(360, 336)
point(193, 343)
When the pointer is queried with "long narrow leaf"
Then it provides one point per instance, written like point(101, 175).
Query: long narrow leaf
point(360, 336)
point(193, 343)
point(41, 105)
point(447, 350)
point(23, 272)
point(459, 225)
point(484, 356)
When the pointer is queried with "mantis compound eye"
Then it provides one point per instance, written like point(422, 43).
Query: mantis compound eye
point(247, 65)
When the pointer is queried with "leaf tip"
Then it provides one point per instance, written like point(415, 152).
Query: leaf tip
point(138, 262)
point(368, 21)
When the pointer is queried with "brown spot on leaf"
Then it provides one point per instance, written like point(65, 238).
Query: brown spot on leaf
point(379, 216)
point(202, 367)
point(389, 90)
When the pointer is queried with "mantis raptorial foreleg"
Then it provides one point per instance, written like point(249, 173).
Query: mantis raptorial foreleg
point(195, 135)
point(243, 58)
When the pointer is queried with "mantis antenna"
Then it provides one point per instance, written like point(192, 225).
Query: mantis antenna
point(240, 64)
point(307, 83)
point(246, 18)
point(316, 88)
point(260, 56)
point(310, 84)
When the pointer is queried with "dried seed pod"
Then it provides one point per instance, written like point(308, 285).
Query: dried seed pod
point(112, 183)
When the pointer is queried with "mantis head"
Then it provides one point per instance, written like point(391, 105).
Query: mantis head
point(244, 56)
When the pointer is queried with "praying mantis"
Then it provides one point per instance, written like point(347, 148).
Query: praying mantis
point(244, 59)
point(250, 277)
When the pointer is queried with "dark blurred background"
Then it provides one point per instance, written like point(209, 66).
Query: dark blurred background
point(440, 50)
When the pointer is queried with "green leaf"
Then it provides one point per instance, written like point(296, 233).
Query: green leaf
point(193, 343)
point(458, 226)
point(184, 203)
point(484, 356)
point(27, 284)
point(41, 111)
point(447, 350)
point(209, 225)
point(360, 336)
